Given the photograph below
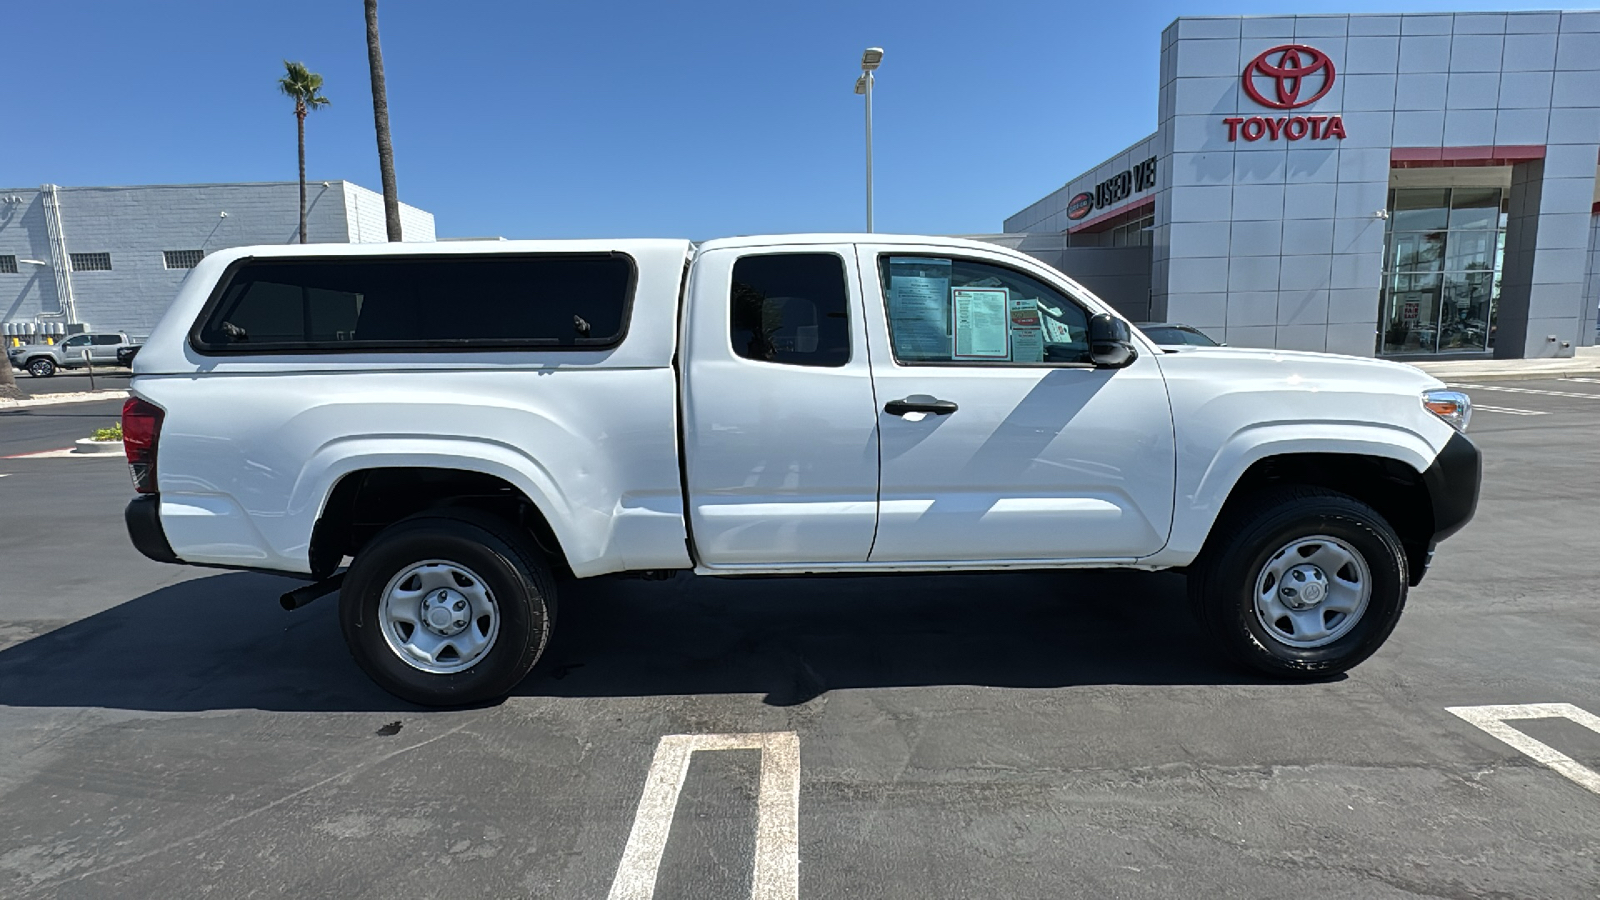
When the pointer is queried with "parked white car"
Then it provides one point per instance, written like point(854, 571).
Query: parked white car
point(471, 423)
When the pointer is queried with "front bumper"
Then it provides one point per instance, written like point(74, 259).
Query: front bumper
point(143, 518)
point(1453, 483)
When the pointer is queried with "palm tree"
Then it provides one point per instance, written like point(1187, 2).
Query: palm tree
point(8, 379)
point(380, 118)
point(305, 88)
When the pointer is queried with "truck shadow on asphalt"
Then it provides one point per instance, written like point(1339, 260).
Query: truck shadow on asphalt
point(222, 642)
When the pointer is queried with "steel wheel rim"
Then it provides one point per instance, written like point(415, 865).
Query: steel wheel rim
point(39, 369)
point(1312, 592)
point(438, 617)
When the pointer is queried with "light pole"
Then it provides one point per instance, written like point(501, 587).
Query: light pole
point(871, 58)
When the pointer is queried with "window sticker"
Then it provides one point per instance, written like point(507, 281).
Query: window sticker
point(1027, 338)
point(1057, 331)
point(981, 323)
point(919, 306)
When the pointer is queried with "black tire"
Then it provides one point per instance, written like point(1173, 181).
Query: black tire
point(503, 557)
point(1222, 583)
point(41, 367)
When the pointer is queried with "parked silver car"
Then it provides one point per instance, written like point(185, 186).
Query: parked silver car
point(1173, 334)
point(42, 360)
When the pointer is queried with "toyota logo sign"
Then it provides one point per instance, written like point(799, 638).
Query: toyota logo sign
point(1289, 72)
point(1287, 77)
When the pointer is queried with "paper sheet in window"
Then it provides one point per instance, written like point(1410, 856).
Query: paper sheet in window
point(982, 323)
point(1027, 335)
point(919, 307)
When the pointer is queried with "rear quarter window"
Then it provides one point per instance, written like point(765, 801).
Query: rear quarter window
point(529, 301)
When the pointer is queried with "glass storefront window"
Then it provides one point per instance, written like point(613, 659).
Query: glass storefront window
point(1133, 234)
point(1471, 251)
point(1418, 210)
point(1474, 208)
point(1442, 272)
point(1464, 312)
point(1417, 251)
point(1413, 304)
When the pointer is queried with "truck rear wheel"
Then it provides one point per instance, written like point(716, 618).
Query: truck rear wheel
point(448, 608)
point(1300, 583)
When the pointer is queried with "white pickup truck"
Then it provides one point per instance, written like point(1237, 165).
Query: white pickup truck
point(446, 432)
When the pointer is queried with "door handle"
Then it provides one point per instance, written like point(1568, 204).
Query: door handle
point(920, 403)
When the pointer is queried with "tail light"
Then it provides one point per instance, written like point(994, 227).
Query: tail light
point(141, 429)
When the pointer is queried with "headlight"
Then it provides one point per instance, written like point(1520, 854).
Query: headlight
point(1452, 406)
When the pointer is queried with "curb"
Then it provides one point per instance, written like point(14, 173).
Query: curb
point(92, 447)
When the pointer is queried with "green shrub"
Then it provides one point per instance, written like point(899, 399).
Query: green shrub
point(114, 433)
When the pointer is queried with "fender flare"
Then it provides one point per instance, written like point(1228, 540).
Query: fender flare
point(1196, 510)
point(340, 457)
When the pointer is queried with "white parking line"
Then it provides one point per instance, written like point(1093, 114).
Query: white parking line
point(1516, 390)
point(46, 454)
point(1583, 380)
point(1492, 720)
point(777, 862)
point(1509, 410)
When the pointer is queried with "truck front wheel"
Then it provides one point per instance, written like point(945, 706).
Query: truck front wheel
point(1300, 582)
point(41, 367)
point(447, 608)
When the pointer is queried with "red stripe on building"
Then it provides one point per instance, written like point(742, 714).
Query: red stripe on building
point(1115, 217)
point(1437, 157)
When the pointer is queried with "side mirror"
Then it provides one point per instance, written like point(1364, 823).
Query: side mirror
point(1110, 342)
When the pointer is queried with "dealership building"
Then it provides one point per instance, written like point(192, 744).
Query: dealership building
point(111, 258)
point(1393, 185)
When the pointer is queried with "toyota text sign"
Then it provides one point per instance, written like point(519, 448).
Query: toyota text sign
point(1287, 77)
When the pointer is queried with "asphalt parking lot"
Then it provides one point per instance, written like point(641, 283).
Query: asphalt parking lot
point(72, 380)
point(172, 731)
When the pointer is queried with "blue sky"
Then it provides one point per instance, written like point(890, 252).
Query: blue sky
point(533, 119)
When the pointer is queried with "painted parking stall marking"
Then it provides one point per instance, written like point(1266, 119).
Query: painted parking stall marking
point(777, 862)
point(60, 453)
point(1492, 719)
point(1510, 411)
point(1542, 392)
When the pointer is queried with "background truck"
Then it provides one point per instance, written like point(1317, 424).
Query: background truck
point(43, 360)
point(446, 432)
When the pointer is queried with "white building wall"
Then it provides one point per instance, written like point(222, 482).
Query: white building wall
point(368, 224)
point(135, 224)
point(1050, 213)
point(1301, 261)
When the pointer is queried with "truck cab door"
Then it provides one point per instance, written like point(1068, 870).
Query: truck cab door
point(103, 348)
point(72, 348)
point(1000, 440)
point(780, 426)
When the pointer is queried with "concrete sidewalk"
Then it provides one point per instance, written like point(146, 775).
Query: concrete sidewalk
point(1586, 361)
